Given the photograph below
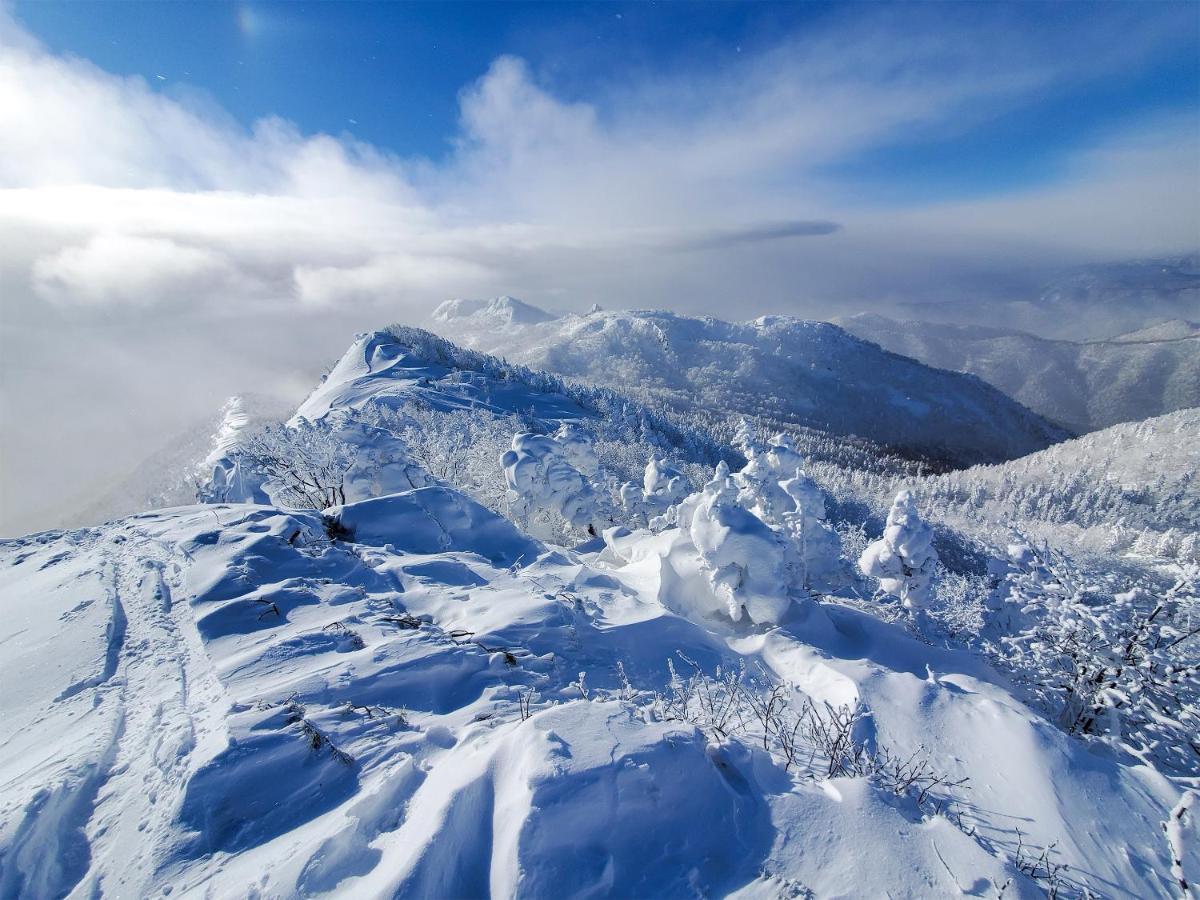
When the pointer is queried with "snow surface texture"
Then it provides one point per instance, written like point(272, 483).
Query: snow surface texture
point(784, 369)
point(278, 715)
point(1085, 386)
point(405, 696)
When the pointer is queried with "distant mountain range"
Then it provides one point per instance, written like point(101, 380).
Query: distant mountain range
point(1083, 385)
point(1086, 303)
point(784, 369)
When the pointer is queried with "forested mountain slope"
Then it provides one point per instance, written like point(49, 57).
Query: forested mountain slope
point(787, 370)
point(1085, 386)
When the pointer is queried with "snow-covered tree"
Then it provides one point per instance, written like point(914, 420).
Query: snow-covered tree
point(541, 481)
point(744, 560)
point(774, 486)
point(745, 438)
point(904, 559)
point(577, 449)
point(663, 484)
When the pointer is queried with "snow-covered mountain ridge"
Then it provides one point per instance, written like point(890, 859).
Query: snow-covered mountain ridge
point(1085, 385)
point(1131, 488)
point(404, 693)
point(787, 370)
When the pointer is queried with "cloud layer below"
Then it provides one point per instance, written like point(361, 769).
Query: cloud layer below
point(154, 255)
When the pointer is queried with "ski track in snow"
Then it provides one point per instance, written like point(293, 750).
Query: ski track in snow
point(160, 691)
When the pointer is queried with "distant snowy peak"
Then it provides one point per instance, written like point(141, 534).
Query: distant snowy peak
point(789, 370)
point(497, 313)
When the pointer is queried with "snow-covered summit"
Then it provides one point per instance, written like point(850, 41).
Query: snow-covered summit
point(395, 365)
point(786, 369)
point(497, 313)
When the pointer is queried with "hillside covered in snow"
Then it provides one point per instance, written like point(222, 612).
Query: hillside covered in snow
point(1088, 302)
point(460, 628)
point(787, 370)
point(1083, 385)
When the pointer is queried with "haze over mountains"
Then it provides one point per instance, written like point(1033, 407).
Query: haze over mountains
point(1087, 303)
point(1083, 385)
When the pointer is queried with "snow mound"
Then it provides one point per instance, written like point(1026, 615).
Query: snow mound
point(433, 520)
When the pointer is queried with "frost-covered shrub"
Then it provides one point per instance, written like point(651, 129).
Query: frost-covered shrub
point(903, 559)
point(1026, 589)
point(1116, 662)
point(958, 604)
point(853, 538)
point(461, 447)
point(304, 466)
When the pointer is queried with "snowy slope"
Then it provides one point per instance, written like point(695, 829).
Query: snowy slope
point(227, 687)
point(785, 369)
point(380, 368)
point(1132, 487)
point(1148, 472)
point(406, 696)
point(1083, 385)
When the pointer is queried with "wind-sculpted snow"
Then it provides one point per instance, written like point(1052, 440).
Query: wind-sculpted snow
point(434, 519)
point(290, 715)
point(784, 369)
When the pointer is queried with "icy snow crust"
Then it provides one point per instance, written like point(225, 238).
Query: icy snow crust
point(224, 701)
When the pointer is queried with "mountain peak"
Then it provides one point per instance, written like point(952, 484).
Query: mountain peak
point(503, 311)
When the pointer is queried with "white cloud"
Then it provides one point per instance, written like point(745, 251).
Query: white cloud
point(123, 269)
point(153, 220)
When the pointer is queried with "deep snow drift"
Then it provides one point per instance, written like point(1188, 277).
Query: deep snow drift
point(404, 694)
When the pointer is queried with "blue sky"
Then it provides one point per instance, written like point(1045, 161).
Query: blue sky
point(390, 73)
